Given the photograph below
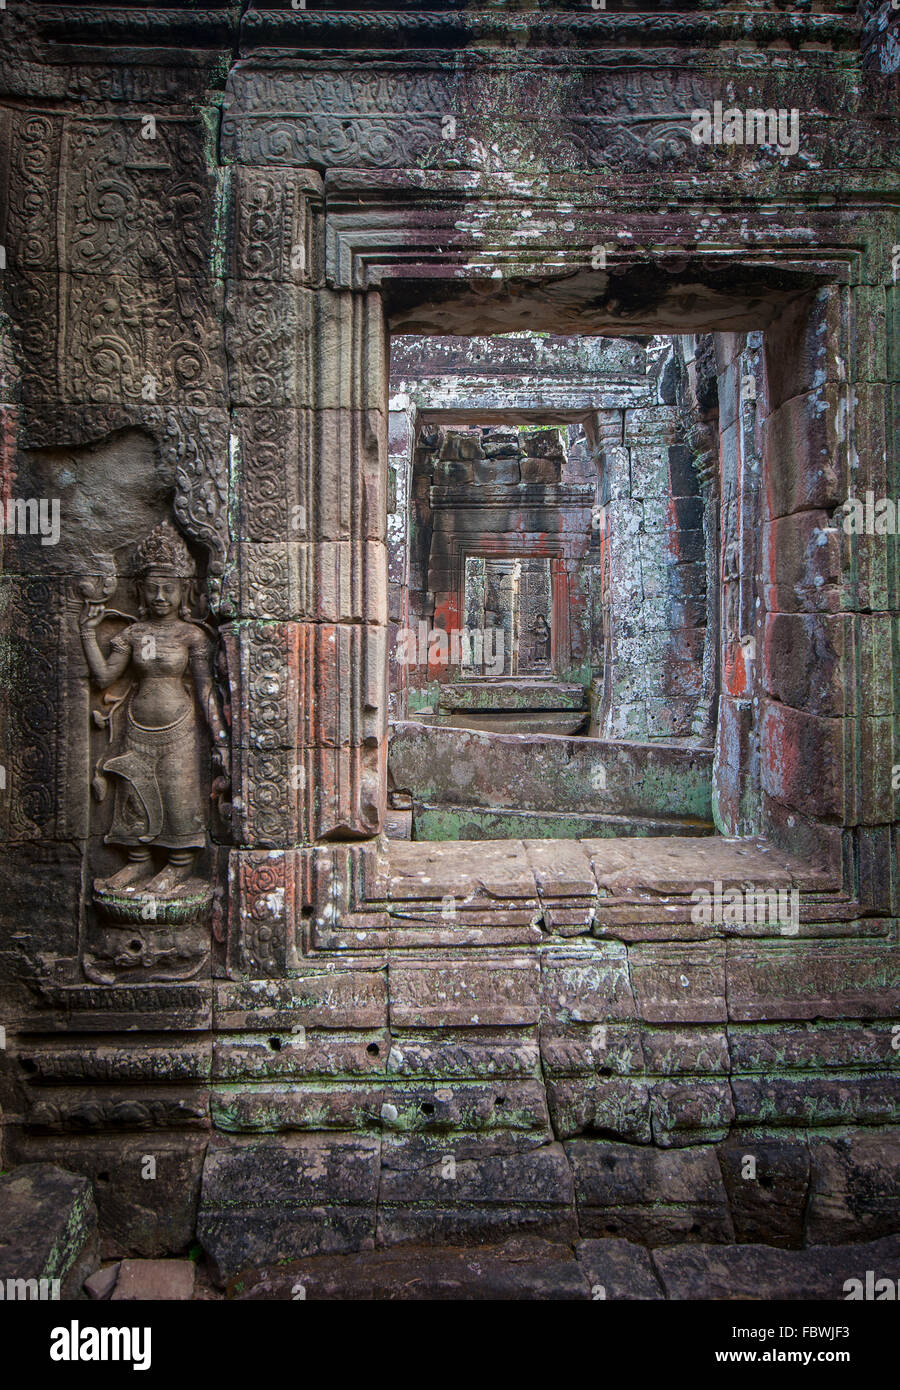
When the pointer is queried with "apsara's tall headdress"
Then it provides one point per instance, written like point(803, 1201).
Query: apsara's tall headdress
point(163, 550)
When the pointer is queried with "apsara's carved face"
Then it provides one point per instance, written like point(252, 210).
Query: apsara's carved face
point(161, 593)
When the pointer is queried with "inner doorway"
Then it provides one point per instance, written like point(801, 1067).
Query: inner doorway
point(545, 592)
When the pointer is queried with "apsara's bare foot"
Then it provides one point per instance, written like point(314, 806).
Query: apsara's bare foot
point(133, 872)
point(169, 879)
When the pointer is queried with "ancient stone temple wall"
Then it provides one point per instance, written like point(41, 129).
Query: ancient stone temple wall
point(213, 223)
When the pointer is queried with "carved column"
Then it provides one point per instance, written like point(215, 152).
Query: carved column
point(307, 597)
point(698, 408)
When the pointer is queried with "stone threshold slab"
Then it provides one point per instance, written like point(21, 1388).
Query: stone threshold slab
point(511, 695)
point(455, 893)
point(616, 867)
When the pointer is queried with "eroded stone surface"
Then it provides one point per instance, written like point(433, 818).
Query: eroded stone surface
point(154, 1281)
point(523, 1268)
point(617, 1269)
point(644, 1195)
point(101, 1283)
point(820, 1272)
point(48, 1231)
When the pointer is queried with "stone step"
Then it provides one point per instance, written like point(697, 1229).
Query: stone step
point(518, 891)
point(617, 870)
point(560, 723)
point(619, 782)
point(525, 1268)
point(272, 1199)
point(443, 822)
point(512, 695)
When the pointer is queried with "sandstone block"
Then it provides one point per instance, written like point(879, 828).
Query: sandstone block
point(48, 1231)
point(854, 1186)
point(767, 1181)
point(816, 1274)
point(279, 1198)
point(154, 1281)
point(647, 1195)
point(618, 1268)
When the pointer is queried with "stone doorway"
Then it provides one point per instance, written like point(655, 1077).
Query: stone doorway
point(604, 509)
point(741, 454)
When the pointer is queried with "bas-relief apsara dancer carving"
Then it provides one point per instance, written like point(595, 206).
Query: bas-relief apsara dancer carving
point(155, 734)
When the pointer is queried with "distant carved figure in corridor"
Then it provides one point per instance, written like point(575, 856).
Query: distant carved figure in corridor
point(541, 638)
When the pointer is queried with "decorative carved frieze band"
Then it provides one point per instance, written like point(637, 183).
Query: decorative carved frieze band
point(554, 28)
point(435, 27)
point(630, 115)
